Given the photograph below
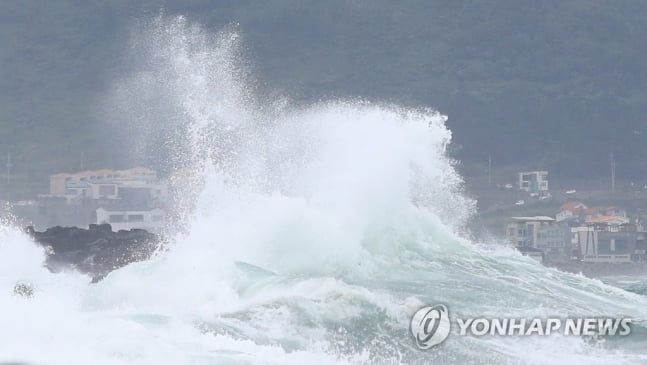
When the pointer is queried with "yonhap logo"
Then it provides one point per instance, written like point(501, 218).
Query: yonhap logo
point(430, 326)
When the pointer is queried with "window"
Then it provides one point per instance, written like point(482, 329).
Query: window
point(622, 246)
point(116, 218)
point(604, 246)
point(135, 218)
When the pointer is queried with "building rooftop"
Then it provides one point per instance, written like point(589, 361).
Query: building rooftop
point(540, 218)
point(573, 206)
point(609, 220)
point(140, 169)
point(101, 172)
point(61, 174)
point(128, 209)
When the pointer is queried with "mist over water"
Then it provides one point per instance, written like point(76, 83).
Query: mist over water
point(309, 234)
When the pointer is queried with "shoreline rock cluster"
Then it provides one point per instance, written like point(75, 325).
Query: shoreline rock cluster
point(95, 251)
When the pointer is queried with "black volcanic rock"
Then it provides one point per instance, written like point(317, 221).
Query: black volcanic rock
point(95, 251)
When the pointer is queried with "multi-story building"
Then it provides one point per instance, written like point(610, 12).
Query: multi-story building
point(541, 233)
point(611, 239)
point(74, 198)
point(150, 219)
point(534, 182)
point(106, 183)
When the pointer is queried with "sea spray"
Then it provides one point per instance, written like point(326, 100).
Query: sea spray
point(307, 234)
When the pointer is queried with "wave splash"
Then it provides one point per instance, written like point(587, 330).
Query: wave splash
point(307, 234)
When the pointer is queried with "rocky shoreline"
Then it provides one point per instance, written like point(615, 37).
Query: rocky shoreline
point(98, 250)
point(95, 251)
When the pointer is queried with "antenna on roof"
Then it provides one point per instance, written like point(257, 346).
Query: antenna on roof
point(489, 170)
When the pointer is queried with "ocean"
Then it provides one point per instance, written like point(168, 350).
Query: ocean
point(304, 234)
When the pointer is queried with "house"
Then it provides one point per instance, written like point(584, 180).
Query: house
point(106, 184)
point(534, 182)
point(542, 233)
point(575, 209)
point(74, 198)
point(612, 211)
point(610, 239)
point(569, 210)
point(58, 183)
point(120, 219)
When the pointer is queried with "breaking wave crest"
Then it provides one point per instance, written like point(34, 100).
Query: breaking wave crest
point(307, 234)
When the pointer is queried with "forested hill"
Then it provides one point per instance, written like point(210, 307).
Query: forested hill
point(550, 83)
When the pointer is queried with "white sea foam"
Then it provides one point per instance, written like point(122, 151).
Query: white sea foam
point(309, 234)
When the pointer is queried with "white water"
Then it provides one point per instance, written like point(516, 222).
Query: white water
point(312, 234)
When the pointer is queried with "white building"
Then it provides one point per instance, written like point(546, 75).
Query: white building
point(151, 220)
point(533, 182)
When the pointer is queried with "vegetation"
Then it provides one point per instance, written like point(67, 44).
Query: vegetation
point(547, 84)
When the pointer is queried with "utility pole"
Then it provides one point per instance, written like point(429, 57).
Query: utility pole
point(489, 170)
point(9, 166)
point(613, 174)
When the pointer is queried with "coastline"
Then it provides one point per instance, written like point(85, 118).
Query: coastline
point(601, 269)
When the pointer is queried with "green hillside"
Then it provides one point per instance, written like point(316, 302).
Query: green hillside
point(553, 84)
